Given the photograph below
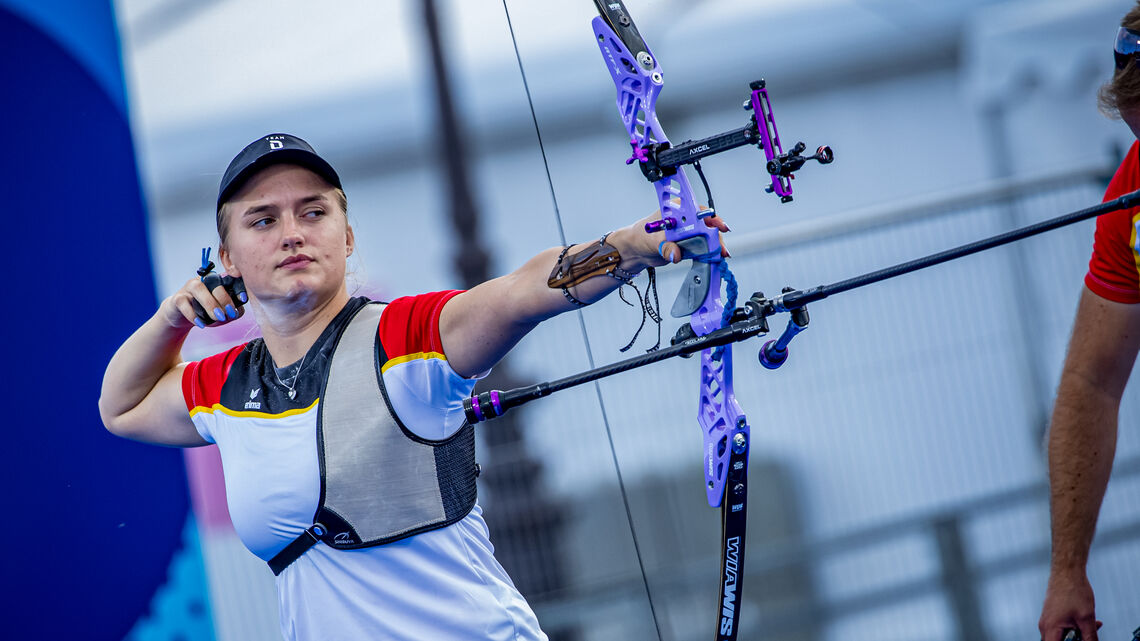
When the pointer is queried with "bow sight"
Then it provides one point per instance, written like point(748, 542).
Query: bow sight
point(657, 158)
point(660, 160)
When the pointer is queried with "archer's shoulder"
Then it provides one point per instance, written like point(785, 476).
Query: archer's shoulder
point(219, 365)
point(410, 324)
point(418, 308)
point(204, 380)
point(1127, 176)
point(1119, 223)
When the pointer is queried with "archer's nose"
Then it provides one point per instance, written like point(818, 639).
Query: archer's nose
point(291, 233)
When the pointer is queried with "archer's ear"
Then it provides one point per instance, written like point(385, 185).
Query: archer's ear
point(227, 262)
point(349, 240)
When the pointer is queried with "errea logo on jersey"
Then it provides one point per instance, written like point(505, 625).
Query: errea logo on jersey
point(251, 404)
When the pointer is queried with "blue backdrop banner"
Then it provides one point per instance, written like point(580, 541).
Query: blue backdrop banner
point(93, 520)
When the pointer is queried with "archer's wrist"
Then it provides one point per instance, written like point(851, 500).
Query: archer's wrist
point(169, 322)
point(1068, 564)
point(637, 249)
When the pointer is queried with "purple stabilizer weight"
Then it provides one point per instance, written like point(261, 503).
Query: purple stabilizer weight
point(478, 411)
point(771, 356)
point(769, 137)
point(639, 80)
point(658, 225)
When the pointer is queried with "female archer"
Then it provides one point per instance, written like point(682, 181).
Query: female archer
point(349, 465)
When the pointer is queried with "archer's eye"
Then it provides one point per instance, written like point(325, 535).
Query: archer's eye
point(262, 222)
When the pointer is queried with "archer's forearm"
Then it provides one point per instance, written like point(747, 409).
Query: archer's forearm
point(538, 300)
point(524, 298)
point(149, 353)
point(1082, 444)
point(480, 326)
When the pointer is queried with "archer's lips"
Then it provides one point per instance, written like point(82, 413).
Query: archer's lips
point(298, 261)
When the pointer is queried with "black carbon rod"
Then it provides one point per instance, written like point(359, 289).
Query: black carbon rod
point(799, 298)
point(490, 405)
point(691, 151)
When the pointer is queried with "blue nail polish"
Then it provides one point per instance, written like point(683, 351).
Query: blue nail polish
point(218, 314)
point(199, 323)
point(243, 298)
point(230, 311)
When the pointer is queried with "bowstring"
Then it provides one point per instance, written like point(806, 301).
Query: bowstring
point(585, 335)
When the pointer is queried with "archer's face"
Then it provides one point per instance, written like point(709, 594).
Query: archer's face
point(288, 237)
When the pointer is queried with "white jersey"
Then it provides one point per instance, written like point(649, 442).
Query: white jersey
point(440, 585)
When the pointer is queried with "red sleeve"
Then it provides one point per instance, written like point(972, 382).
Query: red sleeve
point(410, 325)
point(202, 380)
point(1114, 269)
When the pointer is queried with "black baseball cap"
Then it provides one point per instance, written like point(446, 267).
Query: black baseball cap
point(271, 150)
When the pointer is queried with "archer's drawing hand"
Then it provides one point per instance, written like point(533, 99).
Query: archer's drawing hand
point(1069, 604)
point(187, 307)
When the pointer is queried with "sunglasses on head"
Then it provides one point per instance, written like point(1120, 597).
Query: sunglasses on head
point(1127, 46)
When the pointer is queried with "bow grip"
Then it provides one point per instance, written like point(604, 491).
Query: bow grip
point(235, 287)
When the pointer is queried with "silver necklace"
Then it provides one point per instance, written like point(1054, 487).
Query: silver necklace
point(297, 374)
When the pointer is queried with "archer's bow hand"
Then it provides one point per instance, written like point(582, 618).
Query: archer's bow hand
point(668, 252)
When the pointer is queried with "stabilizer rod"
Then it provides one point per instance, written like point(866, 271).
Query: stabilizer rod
point(495, 403)
point(799, 298)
